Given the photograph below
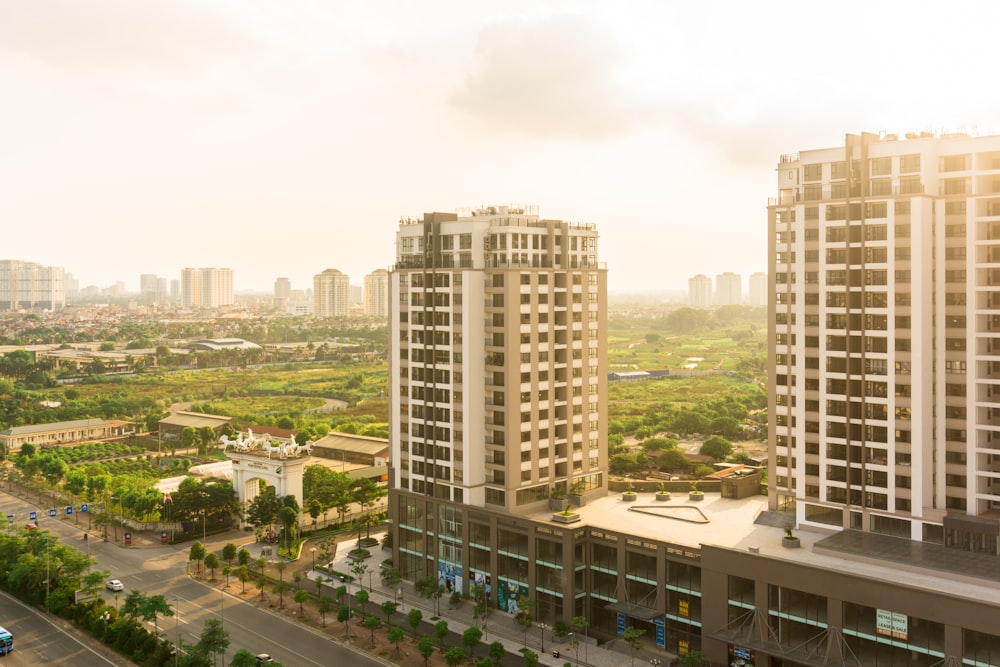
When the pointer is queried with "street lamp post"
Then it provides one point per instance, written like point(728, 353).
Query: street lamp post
point(313, 552)
point(177, 633)
point(46, 574)
point(400, 592)
point(204, 529)
point(222, 616)
point(543, 628)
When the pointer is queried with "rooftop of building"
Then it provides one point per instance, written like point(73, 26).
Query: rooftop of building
point(731, 523)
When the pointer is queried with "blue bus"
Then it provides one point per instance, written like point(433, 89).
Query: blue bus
point(6, 642)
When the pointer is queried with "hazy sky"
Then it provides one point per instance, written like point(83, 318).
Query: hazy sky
point(285, 138)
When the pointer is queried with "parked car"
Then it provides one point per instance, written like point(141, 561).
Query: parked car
point(115, 585)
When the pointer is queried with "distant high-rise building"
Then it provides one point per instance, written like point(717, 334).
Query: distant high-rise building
point(206, 288)
point(377, 293)
point(282, 292)
point(175, 290)
point(757, 295)
point(728, 289)
point(883, 399)
point(331, 294)
point(152, 288)
point(72, 285)
point(700, 291)
point(30, 286)
point(499, 373)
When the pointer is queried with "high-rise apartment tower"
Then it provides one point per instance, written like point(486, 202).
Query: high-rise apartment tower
point(376, 297)
point(885, 337)
point(331, 294)
point(499, 373)
point(206, 288)
point(30, 286)
point(700, 291)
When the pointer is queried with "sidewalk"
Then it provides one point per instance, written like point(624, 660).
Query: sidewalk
point(499, 627)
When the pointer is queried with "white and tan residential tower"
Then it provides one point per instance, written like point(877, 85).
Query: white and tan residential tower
point(499, 373)
point(885, 337)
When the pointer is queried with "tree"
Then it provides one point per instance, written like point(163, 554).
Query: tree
point(372, 623)
point(631, 637)
point(579, 625)
point(471, 639)
point(226, 571)
point(523, 615)
point(361, 597)
point(530, 658)
point(344, 616)
point(693, 659)
point(392, 578)
point(211, 563)
point(197, 554)
point(358, 569)
point(213, 638)
point(243, 556)
point(261, 585)
point(454, 656)
point(281, 587)
point(154, 606)
point(243, 574)
point(229, 552)
point(426, 648)
point(388, 608)
point(301, 596)
point(673, 460)
point(497, 652)
point(717, 447)
point(395, 636)
point(414, 618)
point(431, 589)
point(324, 606)
point(441, 632)
point(289, 517)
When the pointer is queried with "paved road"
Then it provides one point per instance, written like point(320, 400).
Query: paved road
point(156, 569)
point(39, 640)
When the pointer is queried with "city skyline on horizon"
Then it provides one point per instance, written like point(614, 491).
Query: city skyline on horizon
point(206, 135)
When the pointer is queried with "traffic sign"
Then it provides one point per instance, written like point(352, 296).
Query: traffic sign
point(83, 507)
point(69, 510)
point(33, 516)
point(52, 512)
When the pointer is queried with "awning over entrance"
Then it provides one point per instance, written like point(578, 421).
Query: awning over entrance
point(634, 611)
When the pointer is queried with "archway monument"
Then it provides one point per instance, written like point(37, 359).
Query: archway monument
point(280, 466)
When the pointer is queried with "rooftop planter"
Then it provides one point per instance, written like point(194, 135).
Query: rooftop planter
point(789, 541)
point(694, 495)
point(661, 493)
point(565, 516)
point(628, 495)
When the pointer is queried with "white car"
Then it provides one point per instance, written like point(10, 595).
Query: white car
point(115, 585)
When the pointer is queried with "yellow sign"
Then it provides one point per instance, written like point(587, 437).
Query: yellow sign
point(682, 608)
point(682, 647)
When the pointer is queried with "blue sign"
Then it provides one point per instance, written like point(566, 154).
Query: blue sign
point(621, 623)
point(83, 507)
point(69, 510)
point(33, 516)
point(661, 634)
point(52, 512)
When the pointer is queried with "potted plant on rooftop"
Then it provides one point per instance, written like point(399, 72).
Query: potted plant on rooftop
point(661, 492)
point(557, 499)
point(789, 541)
point(628, 495)
point(694, 495)
point(576, 496)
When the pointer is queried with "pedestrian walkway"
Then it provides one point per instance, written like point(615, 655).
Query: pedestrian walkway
point(500, 626)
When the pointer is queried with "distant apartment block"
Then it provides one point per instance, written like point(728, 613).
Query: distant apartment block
point(377, 293)
point(757, 296)
point(152, 288)
point(728, 289)
point(331, 294)
point(700, 291)
point(206, 288)
point(282, 292)
point(30, 286)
